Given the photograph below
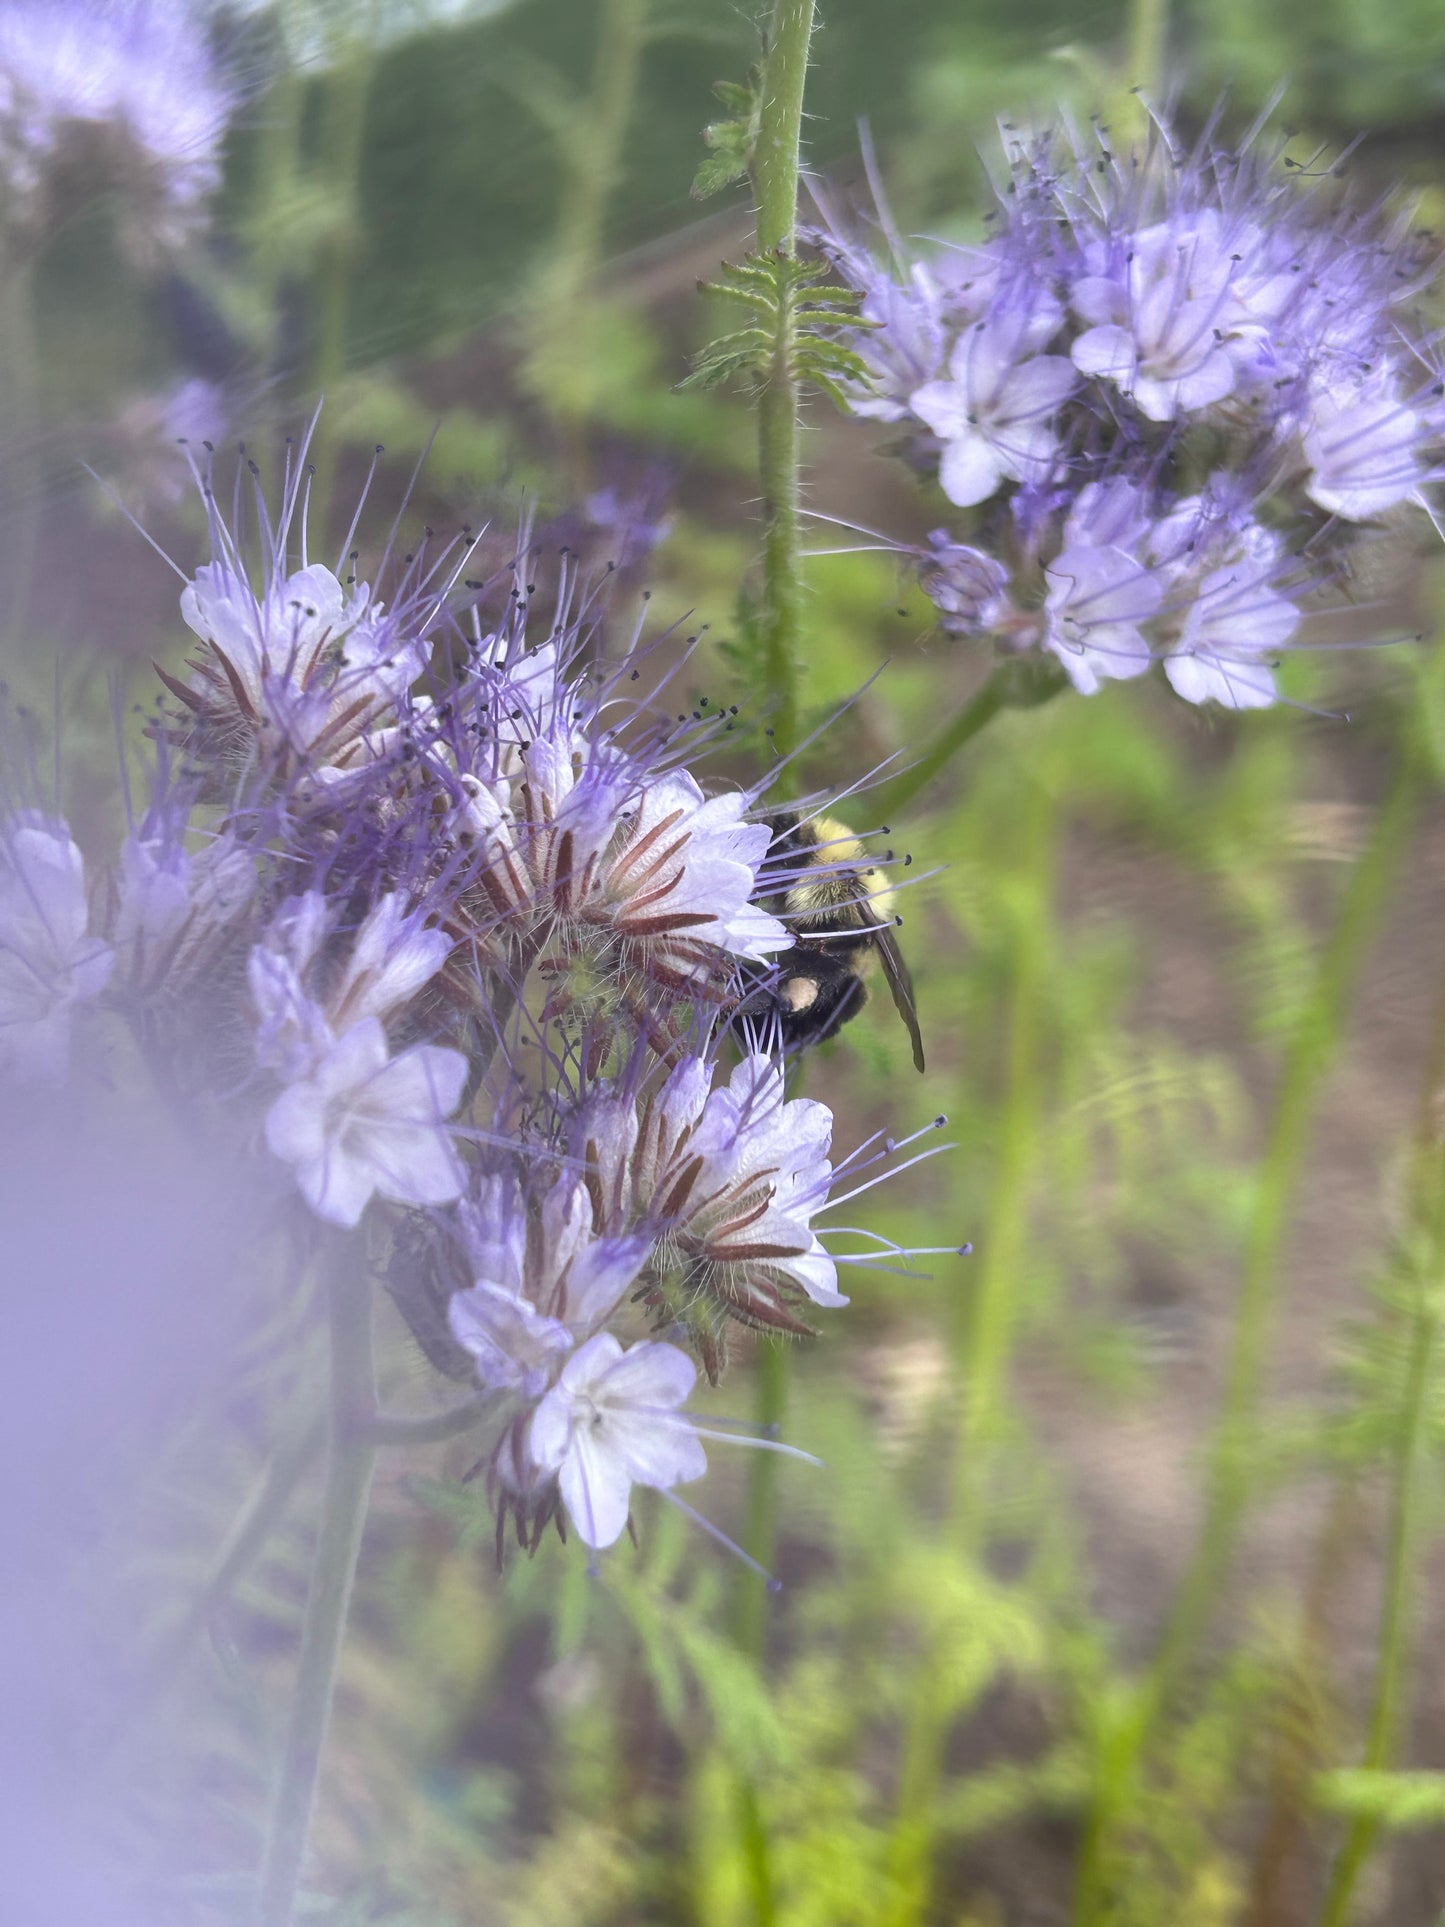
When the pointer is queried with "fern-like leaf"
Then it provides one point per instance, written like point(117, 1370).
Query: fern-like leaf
point(731, 142)
point(797, 328)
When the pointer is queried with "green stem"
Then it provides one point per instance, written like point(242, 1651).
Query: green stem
point(343, 127)
point(430, 1428)
point(20, 383)
point(249, 1533)
point(594, 152)
point(352, 1455)
point(1148, 23)
point(760, 1517)
point(1411, 1459)
point(984, 1344)
point(1309, 1055)
point(775, 179)
point(1021, 684)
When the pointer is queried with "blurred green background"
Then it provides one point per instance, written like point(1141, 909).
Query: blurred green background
point(1177, 973)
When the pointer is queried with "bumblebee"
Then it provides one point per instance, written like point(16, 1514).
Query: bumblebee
point(840, 910)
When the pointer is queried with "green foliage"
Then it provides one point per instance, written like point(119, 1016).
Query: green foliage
point(1398, 1800)
point(731, 141)
point(792, 332)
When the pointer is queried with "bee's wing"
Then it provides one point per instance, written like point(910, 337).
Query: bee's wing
point(901, 985)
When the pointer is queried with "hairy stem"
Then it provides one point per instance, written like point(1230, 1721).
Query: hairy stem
point(775, 180)
point(1309, 1055)
point(352, 1455)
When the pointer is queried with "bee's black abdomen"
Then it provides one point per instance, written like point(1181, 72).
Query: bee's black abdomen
point(814, 992)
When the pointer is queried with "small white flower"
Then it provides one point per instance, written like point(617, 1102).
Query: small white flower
point(1098, 600)
point(308, 669)
point(612, 1421)
point(1161, 330)
point(1361, 443)
point(48, 962)
point(994, 415)
point(361, 1122)
point(1235, 618)
point(391, 958)
point(544, 1281)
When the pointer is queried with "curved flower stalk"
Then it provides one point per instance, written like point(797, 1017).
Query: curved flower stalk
point(1169, 391)
point(111, 96)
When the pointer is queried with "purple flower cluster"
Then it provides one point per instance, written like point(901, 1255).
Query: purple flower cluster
point(1167, 390)
point(433, 919)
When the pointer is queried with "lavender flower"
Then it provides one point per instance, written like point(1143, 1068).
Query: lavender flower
point(728, 1180)
point(49, 962)
point(176, 910)
point(360, 1122)
point(1143, 334)
point(611, 1422)
point(114, 94)
point(397, 856)
point(994, 415)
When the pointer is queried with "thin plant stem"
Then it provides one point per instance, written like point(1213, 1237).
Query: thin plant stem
point(775, 174)
point(1148, 25)
point(776, 165)
point(20, 381)
point(594, 152)
point(351, 1458)
point(1411, 1459)
point(1012, 685)
point(1309, 1055)
point(984, 1341)
point(775, 179)
point(253, 1526)
point(427, 1428)
point(1409, 1462)
point(342, 129)
point(1287, 1799)
point(770, 1369)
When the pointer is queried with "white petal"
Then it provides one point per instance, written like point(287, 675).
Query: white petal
point(970, 469)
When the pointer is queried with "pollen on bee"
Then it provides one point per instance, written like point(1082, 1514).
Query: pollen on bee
point(799, 994)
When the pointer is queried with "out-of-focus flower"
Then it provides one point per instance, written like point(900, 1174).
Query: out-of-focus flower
point(123, 97)
point(148, 459)
point(362, 1122)
point(176, 908)
point(49, 962)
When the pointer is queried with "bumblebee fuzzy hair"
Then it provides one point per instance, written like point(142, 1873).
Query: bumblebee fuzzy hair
point(839, 907)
